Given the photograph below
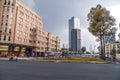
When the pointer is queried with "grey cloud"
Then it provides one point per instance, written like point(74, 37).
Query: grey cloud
point(30, 3)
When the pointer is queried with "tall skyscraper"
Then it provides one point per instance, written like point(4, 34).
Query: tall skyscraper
point(74, 34)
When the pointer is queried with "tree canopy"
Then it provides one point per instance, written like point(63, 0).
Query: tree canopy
point(100, 21)
point(100, 24)
point(83, 49)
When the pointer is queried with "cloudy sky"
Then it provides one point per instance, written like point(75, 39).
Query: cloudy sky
point(56, 13)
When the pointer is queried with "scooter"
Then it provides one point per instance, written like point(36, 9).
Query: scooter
point(13, 58)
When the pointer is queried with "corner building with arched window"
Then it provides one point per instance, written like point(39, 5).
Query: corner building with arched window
point(21, 29)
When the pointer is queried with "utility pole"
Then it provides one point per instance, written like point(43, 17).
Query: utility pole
point(91, 48)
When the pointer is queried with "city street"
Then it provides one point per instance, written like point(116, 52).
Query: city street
point(35, 70)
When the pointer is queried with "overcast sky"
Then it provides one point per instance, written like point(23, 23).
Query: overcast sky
point(56, 13)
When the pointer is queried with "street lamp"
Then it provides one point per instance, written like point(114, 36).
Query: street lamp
point(119, 35)
point(0, 28)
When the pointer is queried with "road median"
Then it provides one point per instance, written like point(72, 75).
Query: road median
point(70, 60)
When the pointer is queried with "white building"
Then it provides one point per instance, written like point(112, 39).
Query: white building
point(110, 46)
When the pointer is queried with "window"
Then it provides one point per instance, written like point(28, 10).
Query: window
point(38, 42)
point(5, 2)
point(32, 24)
point(20, 19)
point(12, 10)
point(8, 2)
point(42, 48)
point(0, 37)
point(30, 41)
point(19, 32)
point(10, 31)
point(4, 8)
point(26, 22)
point(12, 2)
point(27, 16)
point(7, 9)
point(34, 41)
point(20, 6)
point(32, 19)
point(26, 10)
point(6, 23)
point(9, 38)
point(20, 25)
point(26, 27)
point(10, 22)
point(21, 13)
point(30, 35)
point(5, 37)
point(5, 30)
point(19, 39)
point(25, 34)
point(42, 43)
point(36, 22)
point(23, 40)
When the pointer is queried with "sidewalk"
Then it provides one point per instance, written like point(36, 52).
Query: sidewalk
point(57, 61)
point(19, 58)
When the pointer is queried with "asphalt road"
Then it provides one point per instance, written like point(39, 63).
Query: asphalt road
point(31, 70)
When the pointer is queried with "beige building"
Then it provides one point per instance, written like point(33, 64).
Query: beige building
point(109, 47)
point(21, 30)
point(52, 42)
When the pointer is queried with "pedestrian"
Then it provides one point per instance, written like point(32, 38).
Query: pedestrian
point(15, 57)
point(111, 58)
point(11, 57)
point(33, 54)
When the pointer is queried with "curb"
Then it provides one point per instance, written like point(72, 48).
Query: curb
point(7, 59)
point(59, 61)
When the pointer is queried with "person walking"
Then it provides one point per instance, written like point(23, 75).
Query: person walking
point(11, 57)
point(15, 56)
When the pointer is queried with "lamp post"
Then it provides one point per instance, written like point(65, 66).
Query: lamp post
point(0, 29)
point(119, 36)
point(0, 32)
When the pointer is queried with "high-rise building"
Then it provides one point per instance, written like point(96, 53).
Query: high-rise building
point(52, 42)
point(75, 40)
point(74, 34)
point(21, 29)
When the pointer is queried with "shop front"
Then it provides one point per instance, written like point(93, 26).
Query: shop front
point(21, 50)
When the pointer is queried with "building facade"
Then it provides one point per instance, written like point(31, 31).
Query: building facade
point(21, 29)
point(110, 38)
point(75, 40)
point(52, 42)
point(109, 47)
point(74, 31)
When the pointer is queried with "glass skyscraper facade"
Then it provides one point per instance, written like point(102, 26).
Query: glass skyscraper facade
point(74, 34)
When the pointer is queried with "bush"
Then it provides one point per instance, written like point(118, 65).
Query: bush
point(80, 59)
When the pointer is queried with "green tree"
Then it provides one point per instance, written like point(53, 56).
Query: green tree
point(100, 25)
point(113, 51)
point(47, 49)
point(83, 49)
point(118, 51)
